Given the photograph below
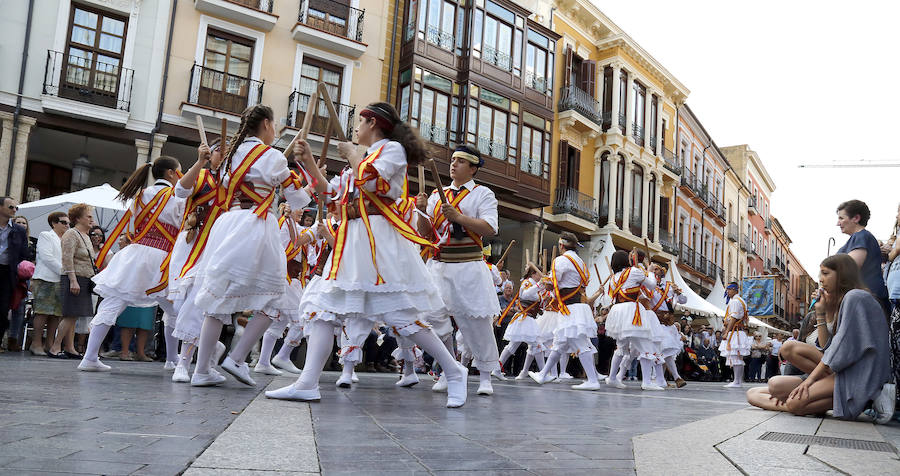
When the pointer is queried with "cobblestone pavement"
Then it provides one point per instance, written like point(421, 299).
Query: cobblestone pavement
point(135, 421)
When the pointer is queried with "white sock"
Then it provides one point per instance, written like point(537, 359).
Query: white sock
point(739, 374)
point(285, 351)
point(552, 360)
point(624, 367)
point(484, 378)
point(528, 360)
point(171, 344)
point(95, 339)
point(646, 370)
point(408, 368)
point(539, 358)
point(209, 335)
point(187, 352)
point(265, 350)
point(252, 332)
point(615, 364)
point(508, 352)
point(587, 362)
point(347, 370)
point(318, 346)
point(673, 369)
point(660, 375)
point(563, 363)
point(429, 342)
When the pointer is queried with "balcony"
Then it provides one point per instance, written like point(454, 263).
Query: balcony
point(713, 271)
point(670, 163)
point(580, 109)
point(751, 206)
point(220, 94)
point(532, 166)
point(686, 256)
point(574, 210)
point(497, 58)
point(496, 149)
point(535, 82)
point(733, 233)
point(85, 88)
point(439, 38)
point(622, 121)
point(634, 225)
point(688, 183)
point(435, 134)
point(341, 24)
point(653, 144)
point(298, 104)
point(638, 134)
point(702, 263)
point(667, 243)
point(715, 207)
point(745, 243)
point(255, 13)
point(769, 224)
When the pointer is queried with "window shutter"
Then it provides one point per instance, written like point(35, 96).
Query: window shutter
point(563, 159)
point(576, 172)
point(568, 76)
point(589, 77)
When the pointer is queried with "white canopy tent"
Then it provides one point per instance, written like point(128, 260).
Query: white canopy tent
point(107, 210)
point(695, 304)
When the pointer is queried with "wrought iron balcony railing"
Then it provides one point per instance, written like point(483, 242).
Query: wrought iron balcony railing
point(493, 148)
point(569, 200)
point(634, 225)
point(298, 105)
point(653, 144)
point(332, 17)
point(533, 81)
point(88, 80)
point(733, 233)
point(638, 133)
point(687, 255)
point(667, 243)
point(745, 243)
point(532, 166)
point(223, 91)
point(261, 5)
point(578, 100)
point(439, 38)
point(433, 133)
point(497, 58)
point(670, 163)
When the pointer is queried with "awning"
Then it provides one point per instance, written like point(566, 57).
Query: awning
point(107, 210)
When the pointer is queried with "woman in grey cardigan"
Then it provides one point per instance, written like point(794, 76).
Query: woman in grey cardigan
point(855, 368)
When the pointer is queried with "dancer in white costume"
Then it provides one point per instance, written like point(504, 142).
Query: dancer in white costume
point(634, 327)
point(136, 276)
point(575, 326)
point(465, 283)
point(735, 344)
point(375, 272)
point(244, 266)
point(546, 321)
point(295, 239)
point(662, 301)
point(523, 327)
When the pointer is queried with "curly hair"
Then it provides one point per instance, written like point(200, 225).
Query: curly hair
point(77, 211)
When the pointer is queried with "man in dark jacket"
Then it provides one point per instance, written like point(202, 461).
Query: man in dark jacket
point(13, 248)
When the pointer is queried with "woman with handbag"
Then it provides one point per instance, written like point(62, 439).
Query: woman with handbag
point(75, 281)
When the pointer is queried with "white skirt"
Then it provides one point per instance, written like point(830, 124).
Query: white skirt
point(180, 253)
point(130, 273)
point(407, 291)
point(574, 331)
point(619, 323)
point(739, 348)
point(522, 329)
point(546, 325)
point(671, 344)
point(467, 289)
point(243, 267)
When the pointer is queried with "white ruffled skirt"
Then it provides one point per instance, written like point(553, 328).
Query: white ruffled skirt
point(546, 325)
point(671, 344)
point(739, 348)
point(243, 267)
point(620, 323)
point(467, 289)
point(407, 291)
point(523, 328)
point(574, 331)
point(180, 253)
point(130, 273)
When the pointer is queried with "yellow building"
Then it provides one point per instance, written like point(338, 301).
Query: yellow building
point(228, 55)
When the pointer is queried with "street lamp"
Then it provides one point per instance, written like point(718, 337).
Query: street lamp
point(81, 172)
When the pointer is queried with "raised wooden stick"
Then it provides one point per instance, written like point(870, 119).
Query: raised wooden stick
point(311, 110)
point(647, 251)
point(555, 254)
point(223, 137)
point(201, 130)
point(544, 260)
point(333, 116)
point(608, 265)
point(290, 147)
point(421, 170)
point(437, 180)
point(506, 252)
point(323, 155)
point(527, 256)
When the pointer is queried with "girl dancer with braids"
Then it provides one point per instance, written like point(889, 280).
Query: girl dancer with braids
point(523, 328)
point(199, 188)
point(736, 345)
point(630, 323)
point(137, 276)
point(576, 326)
point(243, 266)
point(662, 302)
point(375, 272)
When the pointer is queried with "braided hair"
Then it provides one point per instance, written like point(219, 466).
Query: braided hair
point(400, 132)
point(251, 120)
point(138, 179)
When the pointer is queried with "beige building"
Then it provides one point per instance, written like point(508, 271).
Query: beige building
point(736, 195)
point(228, 55)
point(756, 232)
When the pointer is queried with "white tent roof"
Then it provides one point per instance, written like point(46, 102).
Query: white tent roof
point(107, 210)
point(717, 295)
point(695, 304)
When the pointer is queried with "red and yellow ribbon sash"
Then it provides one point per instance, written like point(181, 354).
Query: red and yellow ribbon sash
point(585, 277)
point(665, 294)
point(618, 292)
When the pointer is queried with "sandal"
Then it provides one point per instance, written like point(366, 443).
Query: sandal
point(126, 357)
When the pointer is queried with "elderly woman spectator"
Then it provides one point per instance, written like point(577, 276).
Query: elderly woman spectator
point(853, 216)
point(892, 249)
point(31, 249)
point(758, 350)
point(854, 367)
point(47, 306)
point(75, 281)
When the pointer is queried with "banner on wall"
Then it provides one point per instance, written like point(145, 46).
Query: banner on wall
point(759, 294)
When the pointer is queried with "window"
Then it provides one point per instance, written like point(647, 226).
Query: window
point(651, 205)
point(437, 20)
point(224, 82)
point(606, 97)
point(49, 180)
point(620, 192)
point(93, 57)
point(329, 16)
point(637, 193)
point(640, 97)
point(535, 145)
point(604, 187)
point(569, 174)
point(493, 124)
point(498, 36)
point(539, 63)
point(623, 98)
point(312, 72)
point(654, 114)
point(430, 103)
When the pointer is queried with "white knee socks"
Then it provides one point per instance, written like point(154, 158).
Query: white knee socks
point(528, 360)
point(539, 358)
point(646, 370)
point(187, 352)
point(252, 332)
point(95, 339)
point(552, 360)
point(614, 366)
point(508, 352)
point(429, 342)
point(209, 335)
point(587, 362)
point(738, 373)
point(171, 344)
point(318, 346)
point(673, 369)
point(660, 375)
point(563, 363)
point(284, 352)
point(265, 350)
point(624, 367)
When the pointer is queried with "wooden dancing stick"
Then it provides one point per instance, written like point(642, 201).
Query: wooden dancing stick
point(201, 130)
point(544, 260)
point(421, 171)
point(332, 112)
point(555, 253)
point(608, 265)
point(323, 155)
point(437, 181)
point(647, 251)
point(290, 147)
point(223, 137)
point(508, 247)
point(527, 255)
point(311, 109)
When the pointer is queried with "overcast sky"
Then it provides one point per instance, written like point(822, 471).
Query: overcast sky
point(800, 82)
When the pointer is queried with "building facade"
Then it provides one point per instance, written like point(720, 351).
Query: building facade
point(736, 197)
point(756, 232)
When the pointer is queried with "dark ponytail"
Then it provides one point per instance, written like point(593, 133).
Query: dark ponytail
point(251, 119)
point(138, 179)
point(402, 133)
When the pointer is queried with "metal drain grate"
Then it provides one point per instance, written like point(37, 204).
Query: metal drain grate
point(829, 441)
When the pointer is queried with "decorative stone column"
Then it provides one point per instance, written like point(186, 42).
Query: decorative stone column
point(656, 201)
point(629, 104)
point(613, 182)
point(648, 119)
point(158, 141)
point(143, 152)
point(626, 203)
point(17, 180)
point(5, 147)
point(616, 107)
point(645, 205)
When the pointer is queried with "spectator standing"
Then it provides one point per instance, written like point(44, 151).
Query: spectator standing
point(31, 250)
point(15, 336)
point(75, 282)
point(892, 248)
point(853, 216)
point(773, 363)
point(13, 250)
point(757, 357)
point(45, 282)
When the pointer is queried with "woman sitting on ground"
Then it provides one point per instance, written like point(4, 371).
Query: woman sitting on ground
point(854, 367)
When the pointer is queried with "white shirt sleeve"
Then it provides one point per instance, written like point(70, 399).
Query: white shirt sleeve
point(487, 209)
point(529, 293)
point(49, 253)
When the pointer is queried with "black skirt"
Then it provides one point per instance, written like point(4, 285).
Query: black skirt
point(76, 306)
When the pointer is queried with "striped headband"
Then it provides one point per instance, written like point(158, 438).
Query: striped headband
point(467, 156)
